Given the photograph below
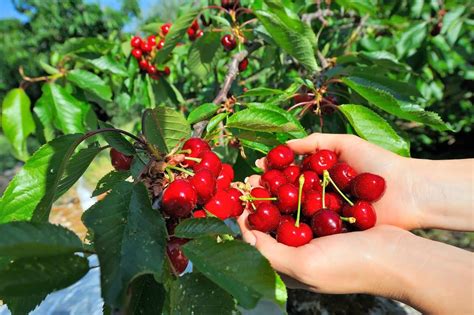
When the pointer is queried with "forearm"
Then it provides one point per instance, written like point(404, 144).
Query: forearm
point(444, 193)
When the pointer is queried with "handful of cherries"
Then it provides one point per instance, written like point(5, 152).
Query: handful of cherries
point(295, 204)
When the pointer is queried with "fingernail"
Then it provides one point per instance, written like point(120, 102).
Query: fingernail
point(250, 238)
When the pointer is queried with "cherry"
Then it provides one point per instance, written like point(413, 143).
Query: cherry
point(228, 41)
point(292, 235)
point(196, 145)
point(137, 53)
point(326, 222)
point(312, 203)
point(333, 202)
point(304, 97)
point(221, 205)
point(287, 197)
point(160, 44)
point(167, 70)
point(243, 65)
point(287, 218)
point(210, 161)
point(204, 183)
point(265, 219)
point(120, 161)
point(272, 180)
point(176, 255)
point(228, 171)
point(368, 187)
point(199, 214)
point(305, 165)
point(151, 69)
point(322, 160)
point(165, 28)
point(145, 47)
point(364, 214)
point(179, 198)
point(143, 64)
point(151, 40)
point(342, 174)
point(199, 33)
point(191, 33)
point(311, 181)
point(292, 173)
point(225, 177)
point(280, 157)
point(259, 192)
point(136, 42)
point(235, 195)
point(195, 25)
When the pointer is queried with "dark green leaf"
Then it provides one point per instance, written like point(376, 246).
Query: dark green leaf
point(110, 180)
point(263, 91)
point(129, 238)
point(203, 53)
point(411, 39)
point(215, 121)
point(147, 296)
point(374, 128)
point(202, 112)
point(23, 305)
point(195, 227)
point(117, 140)
point(90, 82)
point(109, 64)
point(257, 119)
point(86, 44)
point(17, 121)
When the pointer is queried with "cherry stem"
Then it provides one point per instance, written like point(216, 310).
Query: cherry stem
point(300, 192)
point(250, 198)
point(351, 220)
point(324, 184)
point(326, 174)
point(170, 174)
point(192, 159)
point(184, 151)
point(185, 171)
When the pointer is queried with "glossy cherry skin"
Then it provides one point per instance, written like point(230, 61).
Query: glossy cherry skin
point(292, 173)
point(143, 64)
point(311, 181)
point(265, 219)
point(196, 145)
point(151, 69)
point(368, 187)
point(160, 44)
point(179, 198)
point(137, 53)
point(228, 171)
point(191, 33)
point(272, 180)
point(176, 255)
point(363, 212)
point(280, 157)
point(145, 47)
point(259, 192)
point(305, 165)
point(235, 195)
point(199, 33)
point(199, 214)
point(287, 198)
point(120, 161)
point(322, 160)
point(228, 41)
point(210, 161)
point(287, 218)
point(136, 42)
point(342, 174)
point(225, 177)
point(326, 222)
point(243, 65)
point(312, 203)
point(292, 235)
point(333, 202)
point(167, 71)
point(221, 205)
point(204, 183)
point(195, 25)
point(165, 28)
point(151, 40)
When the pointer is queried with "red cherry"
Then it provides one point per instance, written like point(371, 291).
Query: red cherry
point(305, 165)
point(179, 199)
point(199, 33)
point(334, 202)
point(204, 183)
point(322, 160)
point(228, 171)
point(363, 212)
point(195, 25)
point(311, 181)
point(312, 203)
point(221, 205)
point(160, 44)
point(280, 157)
point(136, 42)
point(145, 47)
point(176, 255)
point(272, 180)
point(151, 40)
point(368, 187)
point(143, 64)
point(265, 219)
point(120, 161)
point(165, 28)
point(326, 222)
point(191, 33)
point(300, 98)
point(243, 65)
point(287, 218)
point(225, 177)
point(287, 197)
point(292, 173)
point(199, 214)
point(167, 71)
point(292, 235)
point(196, 145)
point(342, 174)
point(228, 41)
point(137, 53)
point(151, 69)
point(235, 195)
point(210, 161)
point(259, 192)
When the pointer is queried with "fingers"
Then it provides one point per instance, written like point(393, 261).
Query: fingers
point(335, 142)
point(254, 180)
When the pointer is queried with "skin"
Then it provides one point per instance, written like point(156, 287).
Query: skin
point(387, 260)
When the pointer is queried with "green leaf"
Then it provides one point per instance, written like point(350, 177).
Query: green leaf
point(257, 119)
point(23, 305)
point(86, 44)
point(195, 294)
point(202, 112)
point(411, 39)
point(48, 68)
point(90, 82)
point(59, 107)
point(117, 140)
point(386, 101)
point(109, 181)
point(129, 238)
point(147, 296)
point(196, 227)
point(361, 6)
point(32, 191)
point(17, 121)
point(36, 275)
point(263, 91)
point(176, 33)
point(203, 53)
point(215, 121)
point(238, 268)
point(109, 64)
point(373, 128)
point(290, 33)
point(165, 128)
point(36, 239)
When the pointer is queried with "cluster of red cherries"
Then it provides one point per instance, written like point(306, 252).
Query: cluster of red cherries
point(295, 204)
point(144, 51)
